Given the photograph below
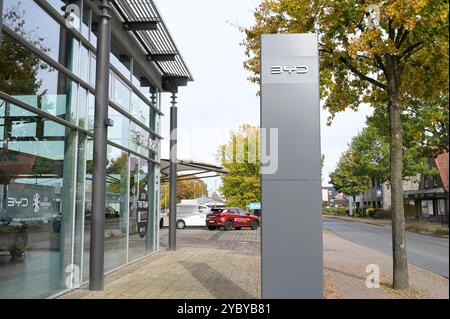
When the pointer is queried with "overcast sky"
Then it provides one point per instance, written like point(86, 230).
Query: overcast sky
point(221, 98)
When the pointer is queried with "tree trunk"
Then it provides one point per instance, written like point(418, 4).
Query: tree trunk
point(400, 263)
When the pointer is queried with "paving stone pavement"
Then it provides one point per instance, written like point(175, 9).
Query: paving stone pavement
point(206, 265)
point(219, 264)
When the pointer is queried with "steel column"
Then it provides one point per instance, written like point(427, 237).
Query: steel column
point(97, 252)
point(173, 174)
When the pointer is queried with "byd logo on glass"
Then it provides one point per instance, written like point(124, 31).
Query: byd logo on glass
point(17, 202)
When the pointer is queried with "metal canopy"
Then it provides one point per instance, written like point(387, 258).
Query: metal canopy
point(190, 168)
point(157, 42)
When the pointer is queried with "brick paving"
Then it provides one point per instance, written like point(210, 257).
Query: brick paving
point(219, 264)
point(206, 265)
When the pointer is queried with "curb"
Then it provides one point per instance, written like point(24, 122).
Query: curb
point(384, 226)
point(355, 221)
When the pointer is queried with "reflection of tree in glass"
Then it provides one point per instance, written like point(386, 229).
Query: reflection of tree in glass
point(19, 67)
point(43, 166)
point(115, 169)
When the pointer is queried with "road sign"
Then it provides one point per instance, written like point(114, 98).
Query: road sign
point(254, 206)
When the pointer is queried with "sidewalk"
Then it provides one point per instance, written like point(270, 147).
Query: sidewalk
point(345, 265)
point(219, 264)
point(206, 265)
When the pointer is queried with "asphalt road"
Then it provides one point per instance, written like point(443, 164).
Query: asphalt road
point(425, 251)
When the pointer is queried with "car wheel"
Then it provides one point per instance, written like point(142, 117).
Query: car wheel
point(212, 227)
point(254, 225)
point(228, 225)
point(181, 224)
point(238, 228)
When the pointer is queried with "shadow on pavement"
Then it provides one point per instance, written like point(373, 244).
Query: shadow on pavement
point(216, 283)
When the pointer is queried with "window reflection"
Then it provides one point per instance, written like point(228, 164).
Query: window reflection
point(121, 93)
point(140, 110)
point(89, 166)
point(84, 64)
point(116, 213)
point(122, 64)
point(86, 20)
point(119, 132)
point(82, 107)
point(26, 17)
point(139, 227)
point(91, 111)
point(35, 215)
point(93, 70)
point(138, 140)
point(34, 82)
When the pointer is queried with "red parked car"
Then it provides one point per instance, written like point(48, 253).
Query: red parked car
point(231, 218)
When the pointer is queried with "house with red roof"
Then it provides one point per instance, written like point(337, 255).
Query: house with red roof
point(432, 198)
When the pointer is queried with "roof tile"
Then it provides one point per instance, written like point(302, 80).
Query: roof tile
point(442, 166)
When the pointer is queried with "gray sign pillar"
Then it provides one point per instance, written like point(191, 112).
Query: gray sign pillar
point(291, 199)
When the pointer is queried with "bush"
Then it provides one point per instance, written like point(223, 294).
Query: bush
point(441, 231)
point(382, 214)
point(370, 212)
point(425, 227)
point(341, 211)
point(335, 211)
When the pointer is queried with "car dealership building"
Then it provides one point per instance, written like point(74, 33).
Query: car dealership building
point(55, 155)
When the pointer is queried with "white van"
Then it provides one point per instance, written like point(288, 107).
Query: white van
point(191, 215)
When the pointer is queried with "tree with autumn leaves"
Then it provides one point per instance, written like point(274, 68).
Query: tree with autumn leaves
point(240, 158)
point(345, 178)
point(396, 61)
point(190, 188)
point(19, 66)
point(366, 161)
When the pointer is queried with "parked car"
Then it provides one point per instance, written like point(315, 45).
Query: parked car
point(231, 218)
point(57, 220)
point(191, 215)
point(13, 235)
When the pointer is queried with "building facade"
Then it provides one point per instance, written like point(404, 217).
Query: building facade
point(431, 199)
point(47, 105)
point(379, 195)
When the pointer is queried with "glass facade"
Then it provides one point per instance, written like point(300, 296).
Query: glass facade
point(46, 153)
